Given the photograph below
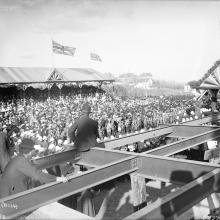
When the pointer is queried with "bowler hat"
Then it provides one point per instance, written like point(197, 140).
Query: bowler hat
point(86, 108)
point(26, 146)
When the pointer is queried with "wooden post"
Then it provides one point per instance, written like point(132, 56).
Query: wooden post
point(138, 187)
point(162, 185)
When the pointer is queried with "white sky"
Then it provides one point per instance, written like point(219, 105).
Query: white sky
point(176, 41)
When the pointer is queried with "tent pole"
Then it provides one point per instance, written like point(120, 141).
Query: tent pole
point(24, 87)
point(100, 85)
point(48, 86)
point(48, 91)
point(80, 89)
point(60, 85)
point(60, 92)
point(113, 89)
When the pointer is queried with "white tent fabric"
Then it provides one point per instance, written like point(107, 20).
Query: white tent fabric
point(16, 75)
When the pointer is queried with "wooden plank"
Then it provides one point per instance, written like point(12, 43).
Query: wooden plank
point(132, 138)
point(162, 168)
point(138, 187)
point(177, 171)
point(173, 148)
point(211, 118)
point(185, 131)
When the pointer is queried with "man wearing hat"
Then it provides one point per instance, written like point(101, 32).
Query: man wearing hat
point(84, 131)
point(15, 177)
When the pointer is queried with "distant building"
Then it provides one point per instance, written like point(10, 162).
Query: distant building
point(187, 88)
point(147, 84)
point(143, 81)
point(127, 78)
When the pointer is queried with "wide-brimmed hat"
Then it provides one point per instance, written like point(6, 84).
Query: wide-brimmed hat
point(86, 108)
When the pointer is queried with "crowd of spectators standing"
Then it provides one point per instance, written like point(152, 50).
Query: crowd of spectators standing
point(46, 120)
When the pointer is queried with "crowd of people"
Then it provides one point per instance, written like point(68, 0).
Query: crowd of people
point(47, 120)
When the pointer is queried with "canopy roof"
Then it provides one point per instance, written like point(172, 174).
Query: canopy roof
point(25, 75)
point(213, 80)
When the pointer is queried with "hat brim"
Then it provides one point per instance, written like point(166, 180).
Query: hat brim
point(84, 111)
point(25, 149)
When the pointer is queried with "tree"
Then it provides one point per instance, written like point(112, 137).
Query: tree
point(147, 75)
point(127, 75)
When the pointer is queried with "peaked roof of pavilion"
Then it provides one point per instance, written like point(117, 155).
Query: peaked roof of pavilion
point(26, 75)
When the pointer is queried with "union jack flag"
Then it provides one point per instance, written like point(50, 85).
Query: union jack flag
point(96, 57)
point(65, 50)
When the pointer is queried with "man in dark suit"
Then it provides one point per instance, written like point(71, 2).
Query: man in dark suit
point(19, 169)
point(84, 131)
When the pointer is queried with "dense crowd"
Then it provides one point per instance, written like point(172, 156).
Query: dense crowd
point(46, 121)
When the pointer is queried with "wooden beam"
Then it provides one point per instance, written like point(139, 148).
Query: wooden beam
point(177, 171)
point(132, 138)
point(55, 159)
point(150, 166)
point(185, 131)
point(166, 169)
point(181, 145)
point(211, 118)
point(99, 156)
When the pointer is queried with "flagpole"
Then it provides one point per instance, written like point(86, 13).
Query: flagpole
point(52, 55)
